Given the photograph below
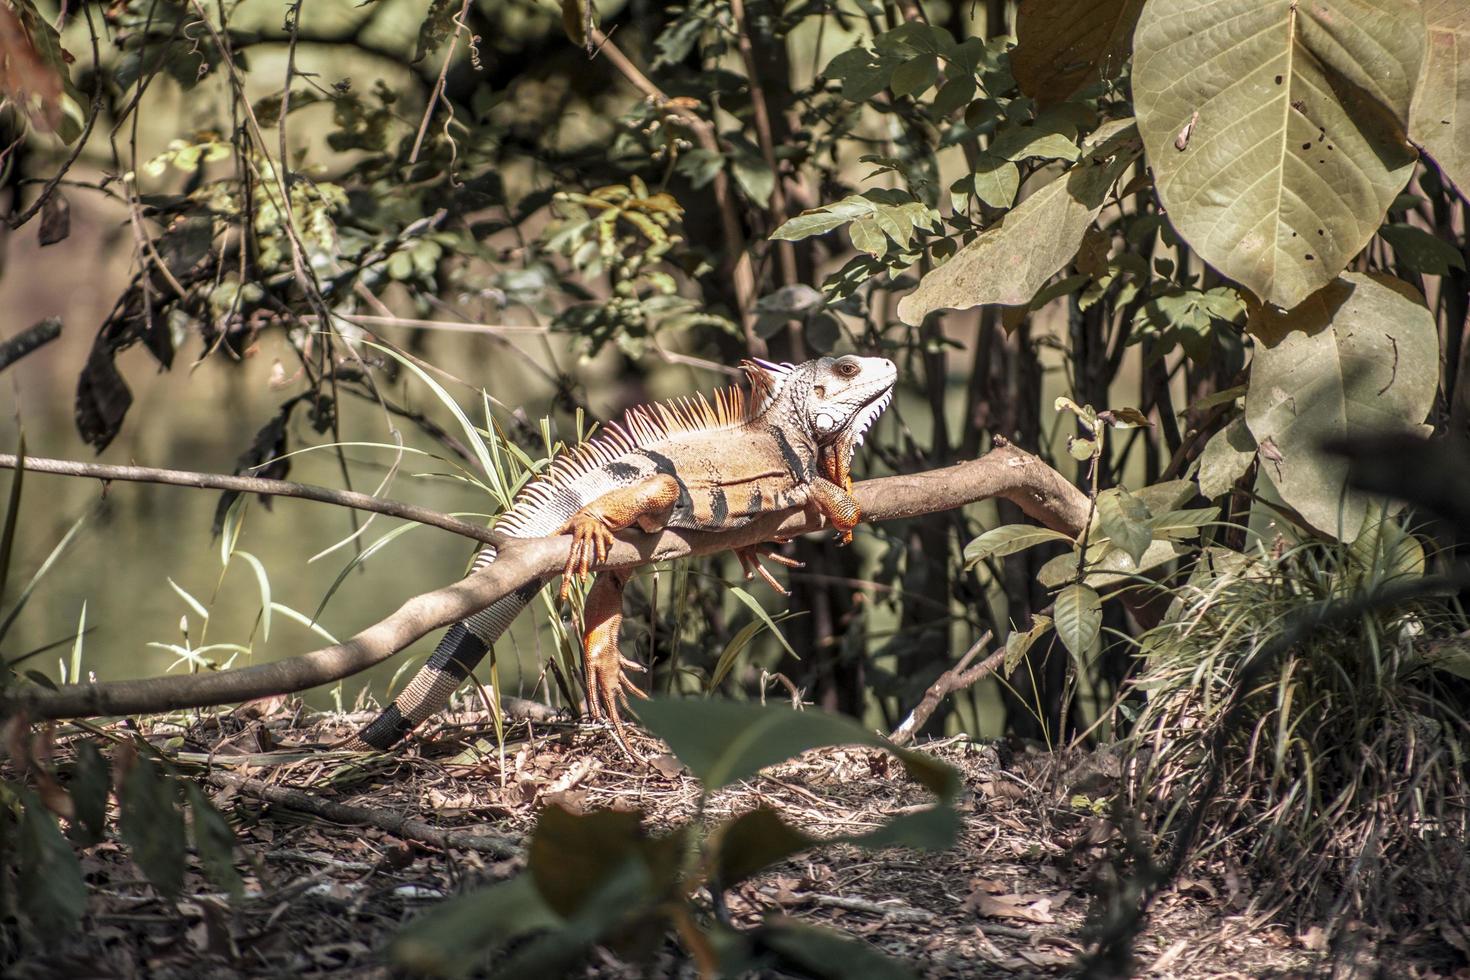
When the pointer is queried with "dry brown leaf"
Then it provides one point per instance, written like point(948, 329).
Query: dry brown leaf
point(1026, 908)
point(25, 77)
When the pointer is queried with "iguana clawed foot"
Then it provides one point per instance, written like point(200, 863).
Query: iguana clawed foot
point(751, 557)
point(591, 541)
point(837, 506)
point(607, 686)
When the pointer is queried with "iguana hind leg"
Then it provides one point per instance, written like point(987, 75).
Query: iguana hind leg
point(646, 503)
point(607, 686)
point(837, 506)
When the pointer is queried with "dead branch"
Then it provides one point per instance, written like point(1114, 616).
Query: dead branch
point(32, 338)
point(256, 484)
point(1005, 472)
point(399, 825)
point(957, 678)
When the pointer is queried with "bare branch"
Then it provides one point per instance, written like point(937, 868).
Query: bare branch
point(957, 678)
point(1003, 472)
point(260, 485)
point(32, 338)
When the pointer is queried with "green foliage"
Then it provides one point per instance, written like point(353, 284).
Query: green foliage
point(600, 877)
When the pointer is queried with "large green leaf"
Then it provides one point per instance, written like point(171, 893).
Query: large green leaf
point(1296, 113)
point(726, 741)
point(450, 938)
point(1225, 458)
point(1440, 120)
point(50, 886)
point(1063, 45)
point(1360, 356)
point(1008, 262)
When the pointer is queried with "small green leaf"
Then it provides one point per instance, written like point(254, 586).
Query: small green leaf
point(1124, 519)
point(867, 237)
point(914, 75)
point(152, 826)
point(1078, 619)
point(571, 854)
point(754, 841)
point(754, 177)
point(995, 180)
point(1009, 539)
point(952, 95)
point(1420, 251)
point(214, 842)
point(89, 785)
point(49, 877)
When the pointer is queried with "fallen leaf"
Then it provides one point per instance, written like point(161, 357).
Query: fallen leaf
point(1026, 908)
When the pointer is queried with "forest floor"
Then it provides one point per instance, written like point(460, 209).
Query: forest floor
point(325, 897)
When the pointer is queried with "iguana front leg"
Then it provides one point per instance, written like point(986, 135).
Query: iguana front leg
point(837, 506)
point(646, 503)
point(607, 686)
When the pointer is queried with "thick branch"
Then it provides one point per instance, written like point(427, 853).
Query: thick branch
point(255, 484)
point(1003, 472)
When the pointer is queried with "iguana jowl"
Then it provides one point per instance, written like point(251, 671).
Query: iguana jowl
point(689, 464)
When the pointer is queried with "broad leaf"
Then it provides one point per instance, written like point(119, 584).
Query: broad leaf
point(1063, 45)
point(1225, 458)
point(1078, 616)
point(90, 785)
point(152, 826)
point(1360, 356)
point(451, 937)
point(725, 741)
point(1440, 120)
point(1009, 539)
point(1296, 113)
point(50, 887)
point(1007, 263)
point(1124, 519)
point(825, 954)
point(1420, 251)
point(214, 841)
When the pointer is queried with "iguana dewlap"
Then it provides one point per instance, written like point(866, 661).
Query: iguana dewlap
point(689, 464)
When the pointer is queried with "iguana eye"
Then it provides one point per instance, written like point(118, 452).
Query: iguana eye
point(845, 369)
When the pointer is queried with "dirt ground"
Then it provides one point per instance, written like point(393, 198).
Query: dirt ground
point(325, 897)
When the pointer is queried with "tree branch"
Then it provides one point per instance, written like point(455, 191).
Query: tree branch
point(260, 485)
point(1005, 471)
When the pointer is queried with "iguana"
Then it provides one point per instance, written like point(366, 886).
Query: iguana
point(688, 464)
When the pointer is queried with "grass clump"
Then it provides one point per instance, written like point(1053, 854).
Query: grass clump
point(1305, 721)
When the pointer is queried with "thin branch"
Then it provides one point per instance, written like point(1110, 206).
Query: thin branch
point(957, 678)
point(397, 824)
point(28, 340)
point(1005, 471)
point(260, 485)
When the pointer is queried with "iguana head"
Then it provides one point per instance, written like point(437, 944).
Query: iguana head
point(833, 400)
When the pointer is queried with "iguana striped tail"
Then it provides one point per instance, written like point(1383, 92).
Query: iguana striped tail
point(459, 651)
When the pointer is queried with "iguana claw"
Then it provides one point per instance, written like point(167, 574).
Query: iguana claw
point(750, 563)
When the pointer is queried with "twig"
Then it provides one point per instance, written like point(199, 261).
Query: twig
point(957, 678)
point(409, 828)
point(260, 485)
point(1005, 471)
point(894, 913)
point(30, 339)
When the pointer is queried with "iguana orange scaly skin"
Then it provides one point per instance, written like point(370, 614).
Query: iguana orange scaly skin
point(690, 464)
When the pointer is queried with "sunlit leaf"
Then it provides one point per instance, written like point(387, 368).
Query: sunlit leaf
point(1297, 115)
